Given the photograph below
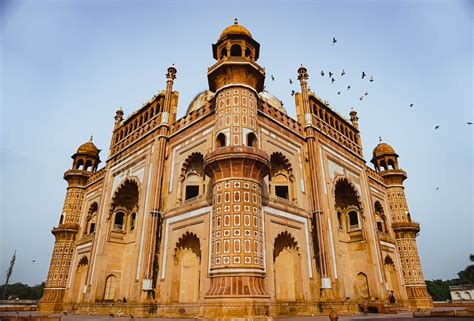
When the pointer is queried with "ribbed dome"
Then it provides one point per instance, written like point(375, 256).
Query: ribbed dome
point(88, 148)
point(235, 29)
point(383, 149)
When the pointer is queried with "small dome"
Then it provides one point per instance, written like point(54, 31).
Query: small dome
point(272, 101)
point(235, 29)
point(88, 148)
point(200, 100)
point(383, 149)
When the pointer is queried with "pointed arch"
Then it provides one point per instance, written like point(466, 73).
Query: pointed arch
point(287, 268)
point(127, 194)
point(281, 176)
point(380, 217)
point(282, 241)
point(191, 241)
point(186, 269)
point(192, 177)
point(345, 193)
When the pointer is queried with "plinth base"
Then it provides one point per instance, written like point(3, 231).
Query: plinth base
point(230, 285)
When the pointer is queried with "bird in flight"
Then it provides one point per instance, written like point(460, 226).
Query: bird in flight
point(411, 105)
point(273, 78)
point(338, 92)
point(469, 123)
point(361, 98)
point(343, 73)
point(334, 40)
point(330, 74)
point(437, 188)
point(33, 261)
point(348, 87)
point(291, 81)
point(371, 79)
point(333, 80)
point(437, 126)
point(322, 73)
point(363, 75)
point(292, 93)
point(366, 93)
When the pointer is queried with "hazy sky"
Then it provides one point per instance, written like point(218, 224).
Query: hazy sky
point(66, 66)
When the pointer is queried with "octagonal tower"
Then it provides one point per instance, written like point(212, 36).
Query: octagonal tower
point(237, 166)
point(385, 160)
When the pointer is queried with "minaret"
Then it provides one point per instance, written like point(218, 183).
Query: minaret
point(85, 162)
point(317, 218)
point(236, 165)
point(385, 161)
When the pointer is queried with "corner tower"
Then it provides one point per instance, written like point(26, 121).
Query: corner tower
point(385, 161)
point(85, 162)
point(236, 165)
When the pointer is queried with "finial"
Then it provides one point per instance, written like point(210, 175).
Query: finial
point(302, 74)
point(236, 21)
point(92, 137)
point(380, 138)
point(171, 75)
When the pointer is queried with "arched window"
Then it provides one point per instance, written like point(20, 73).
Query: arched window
point(383, 165)
point(380, 217)
point(236, 51)
point(340, 220)
point(88, 166)
point(247, 52)
point(281, 176)
point(80, 165)
point(118, 221)
point(223, 53)
point(353, 219)
point(61, 219)
point(220, 140)
point(192, 176)
point(109, 292)
point(133, 218)
point(391, 165)
point(91, 219)
point(348, 204)
point(252, 140)
point(124, 205)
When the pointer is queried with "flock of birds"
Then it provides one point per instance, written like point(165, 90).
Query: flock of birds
point(332, 78)
point(343, 72)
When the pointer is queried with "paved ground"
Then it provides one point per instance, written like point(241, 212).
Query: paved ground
point(370, 317)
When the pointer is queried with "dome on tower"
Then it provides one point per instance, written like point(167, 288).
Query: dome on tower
point(235, 29)
point(383, 149)
point(88, 148)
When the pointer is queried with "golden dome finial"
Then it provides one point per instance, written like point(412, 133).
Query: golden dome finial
point(380, 138)
point(236, 21)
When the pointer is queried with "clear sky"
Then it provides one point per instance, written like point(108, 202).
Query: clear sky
point(66, 66)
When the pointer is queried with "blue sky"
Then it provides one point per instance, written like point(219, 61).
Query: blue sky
point(66, 66)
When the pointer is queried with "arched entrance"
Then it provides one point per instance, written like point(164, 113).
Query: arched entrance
point(287, 268)
point(391, 276)
point(80, 280)
point(186, 276)
point(361, 286)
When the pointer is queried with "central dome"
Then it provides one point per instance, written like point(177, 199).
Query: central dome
point(235, 29)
